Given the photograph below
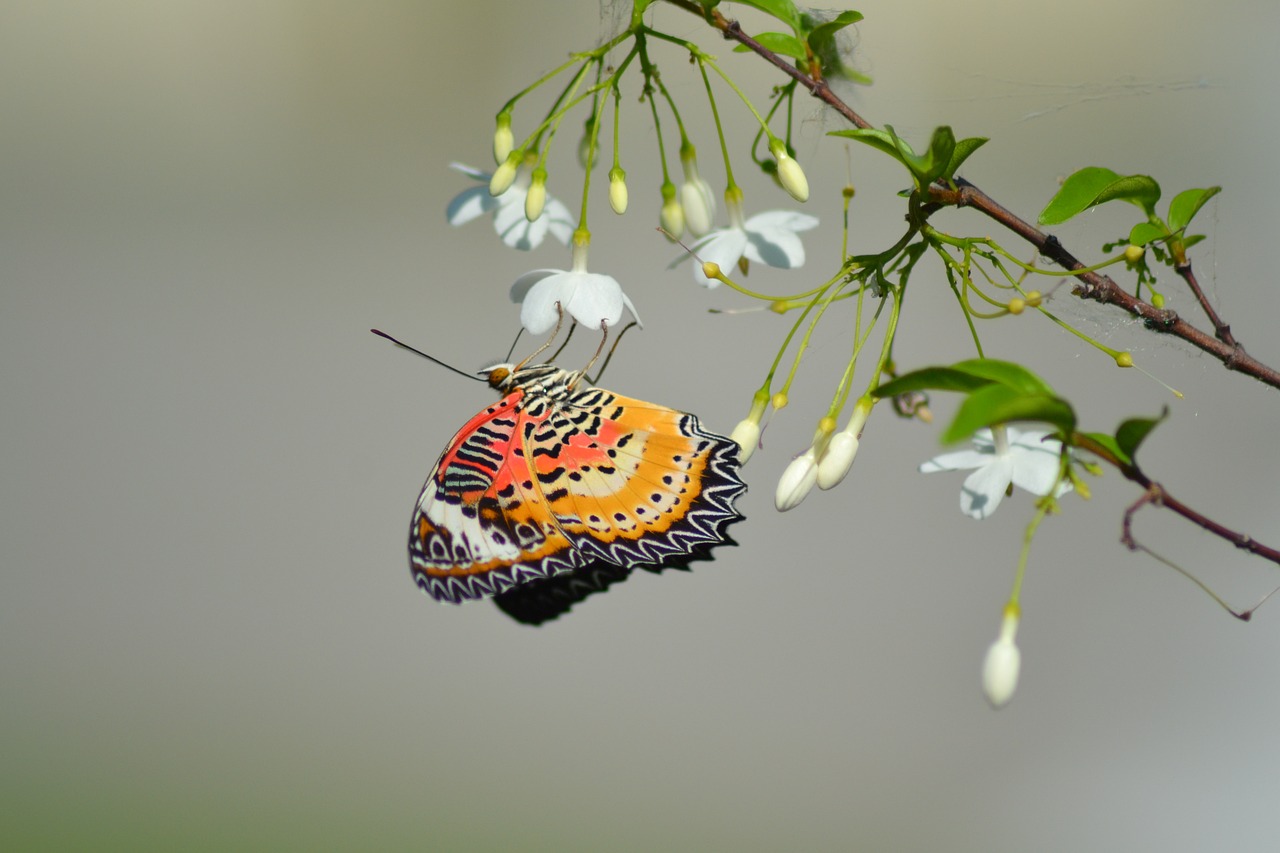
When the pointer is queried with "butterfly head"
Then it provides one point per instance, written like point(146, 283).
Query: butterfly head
point(499, 376)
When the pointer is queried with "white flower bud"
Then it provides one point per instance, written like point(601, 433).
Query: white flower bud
point(695, 195)
point(839, 454)
point(672, 218)
point(618, 190)
point(796, 481)
point(747, 435)
point(789, 172)
point(1003, 662)
point(505, 175)
point(502, 138)
point(537, 197)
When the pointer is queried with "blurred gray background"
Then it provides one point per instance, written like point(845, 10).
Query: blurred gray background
point(210, 639)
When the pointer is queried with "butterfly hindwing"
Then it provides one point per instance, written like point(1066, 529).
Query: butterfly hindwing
point(550, 480)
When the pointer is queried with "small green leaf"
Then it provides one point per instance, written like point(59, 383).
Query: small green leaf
point(822, 37)
point(1005, 373)
point(1076, 194)
point(780, 43)
point(1140, 190)
point(1000, 404)
point(963, 149)
point(1095, 185)
point(877, 139)
point(1108, 444)
point(1187, 204)
point(1131, 433)
point(1146, 232)
point(932, 379)
point(1188, 242)
point(783, 10)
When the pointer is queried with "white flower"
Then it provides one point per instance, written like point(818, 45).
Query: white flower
point(837, 458)
point(1003, 662)
point(1021, 458)
point(508, 212)
point(592, 299)
point(766, 238)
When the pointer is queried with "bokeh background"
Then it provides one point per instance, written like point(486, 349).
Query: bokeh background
point(208, 635)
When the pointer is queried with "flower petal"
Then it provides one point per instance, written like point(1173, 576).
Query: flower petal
point(560, 221)
point(543, 295)
point(984, 488)
point(957, 461)
point(790, 220)
point(469, 204)
point(472, 172)
point(596, 300)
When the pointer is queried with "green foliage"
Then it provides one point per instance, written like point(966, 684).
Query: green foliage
point(998, 392)
point(1095, 185)
point(1128, 438)
point(1186, 205)
point(809, 38)
point(939, 162)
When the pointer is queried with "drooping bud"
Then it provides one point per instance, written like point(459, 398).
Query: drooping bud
point(837, 458)
point(695, 195)
point(1133, 254)
point(537, 197)
point(1003, 662)
point(747, 432)
point(618, 190)
point(672, 215)
point(790, 175)
point(797, 481)
point(505, 175)
point(502, 138)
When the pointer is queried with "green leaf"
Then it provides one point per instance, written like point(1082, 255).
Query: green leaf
point(877, 139)
point(783, 10)
point(1095, 185)
point(780, 43)
point(1140, 190)
point(932, 379)
point(1109, 444)
point(1188, 242)
point(1076, 194)
point(1187, 204)
point(1000, 404)
point(822, 37)
point(1131, 433)
point(963, 149)
point(1146, 232)
point(1006, 373)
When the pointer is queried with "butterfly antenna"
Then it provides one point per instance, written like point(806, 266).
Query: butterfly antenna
point(403, 345)
point(513, 344)
point(555, 333)
point(609, 357)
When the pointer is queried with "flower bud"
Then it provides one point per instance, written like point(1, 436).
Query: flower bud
point(618, 190)
point(1133, 254)
point(537, 196)
point(1124, 359)
point(837, 458)
point(747, 435)
point(797, 481)
point(1001, 667)
point(502, 138)
point(672, 218)
point(1017, 305)
point(505, 175)
point(790, 175)
point(695, 195)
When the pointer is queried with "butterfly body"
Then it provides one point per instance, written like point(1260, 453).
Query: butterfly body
point(556, 479)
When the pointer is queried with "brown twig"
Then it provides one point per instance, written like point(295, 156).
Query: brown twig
point(1091, 285)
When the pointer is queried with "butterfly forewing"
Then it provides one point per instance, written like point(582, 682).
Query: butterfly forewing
point(551, 479)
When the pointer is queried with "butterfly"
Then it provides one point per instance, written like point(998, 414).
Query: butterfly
point(557, 491)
